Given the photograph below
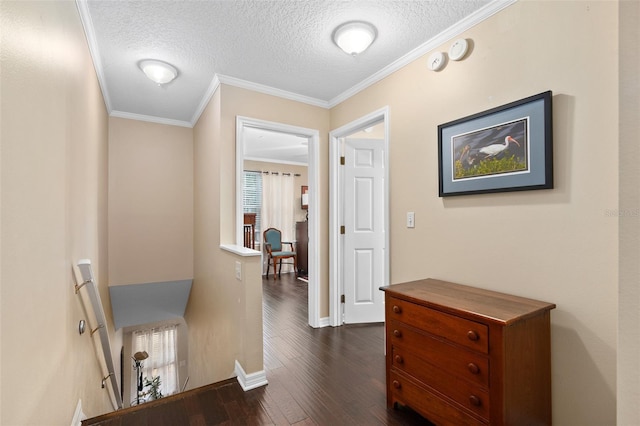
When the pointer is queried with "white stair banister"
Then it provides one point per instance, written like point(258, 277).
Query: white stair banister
point(88, 281)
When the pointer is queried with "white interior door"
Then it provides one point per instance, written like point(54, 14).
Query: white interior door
point(364, 236)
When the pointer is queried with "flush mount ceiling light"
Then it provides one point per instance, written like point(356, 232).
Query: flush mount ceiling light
point(158, 71)
point(354, 37)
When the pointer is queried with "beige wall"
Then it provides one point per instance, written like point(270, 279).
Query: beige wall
point(629, 178)
point(222, 314)
point(210, 310)
point(150, 214)
point(150, 202)
point(225, 315)
point(53, 213)
point(242, 102)
point(54, 195)
point(556, 245)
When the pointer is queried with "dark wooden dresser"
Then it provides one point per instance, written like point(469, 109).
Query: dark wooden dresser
point(461, 355)
point(302, 247)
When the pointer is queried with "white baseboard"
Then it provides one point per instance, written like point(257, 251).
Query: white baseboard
point(324, 322)
point(78, 416)
point(250, 381)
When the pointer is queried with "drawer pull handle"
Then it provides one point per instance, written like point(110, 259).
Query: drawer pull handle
point(475, 401)
point(399, 359)
point(396, 384)
point(397, 333)
point(474, 369)
point(472, 335)
point(397, 309)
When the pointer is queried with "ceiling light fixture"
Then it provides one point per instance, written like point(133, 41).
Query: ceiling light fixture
point(158, 71)
point(354, 37)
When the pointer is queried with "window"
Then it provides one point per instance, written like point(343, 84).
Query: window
point(252, 196)
point(161, 345)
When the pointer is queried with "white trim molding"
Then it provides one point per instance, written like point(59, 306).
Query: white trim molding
point(250, 381)
point(78, 415)
point(313, 136)
point(213, 86)
point(268, 90)
point(274, 161)
point(324, 322)
point(87, 24)
point(150, 119)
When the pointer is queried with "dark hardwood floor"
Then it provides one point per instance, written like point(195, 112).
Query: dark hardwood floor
point(327, 376)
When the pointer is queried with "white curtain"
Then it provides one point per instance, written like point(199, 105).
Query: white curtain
point(161, 345)
point(278, 207)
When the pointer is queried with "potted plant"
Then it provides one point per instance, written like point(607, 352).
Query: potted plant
point(154, 391)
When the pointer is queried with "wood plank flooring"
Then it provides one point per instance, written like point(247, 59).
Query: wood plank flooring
point(327, 376)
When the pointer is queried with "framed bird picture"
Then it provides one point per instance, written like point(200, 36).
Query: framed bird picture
point(508, 148)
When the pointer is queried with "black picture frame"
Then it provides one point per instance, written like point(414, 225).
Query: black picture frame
point(507, 148)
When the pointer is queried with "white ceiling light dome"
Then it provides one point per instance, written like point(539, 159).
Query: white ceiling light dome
point(354, 37)
point(158, 71)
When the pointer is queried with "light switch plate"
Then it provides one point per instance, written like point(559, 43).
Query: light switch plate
point(411, 220)
point(238, 270)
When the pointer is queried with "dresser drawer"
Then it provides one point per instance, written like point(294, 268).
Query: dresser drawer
point(458, 330)
point(468, 394)
point(450, 358)
point(438, 410)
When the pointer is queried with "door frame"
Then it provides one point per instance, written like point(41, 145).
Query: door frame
point(336, 189)
point(313, 136)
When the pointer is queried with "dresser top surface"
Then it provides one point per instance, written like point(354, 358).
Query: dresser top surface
point(472, 301)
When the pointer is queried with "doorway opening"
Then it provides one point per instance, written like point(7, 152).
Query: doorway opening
point(244, 126)
point(356, 272)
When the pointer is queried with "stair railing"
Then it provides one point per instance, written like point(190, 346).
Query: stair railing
point(88, 281)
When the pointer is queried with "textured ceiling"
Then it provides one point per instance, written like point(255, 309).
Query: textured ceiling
point(282, 47)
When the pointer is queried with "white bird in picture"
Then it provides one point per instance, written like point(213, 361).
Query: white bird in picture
point(497, 148)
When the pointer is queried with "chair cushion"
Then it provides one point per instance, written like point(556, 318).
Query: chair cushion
point(272, 236)
point(282, 253)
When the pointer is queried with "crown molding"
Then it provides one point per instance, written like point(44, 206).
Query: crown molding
point(256, 87)
point(244, 84)
point(150, 119)
point(449, 34)
point(87, 24)
point(276, 161)
point(213, 86)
